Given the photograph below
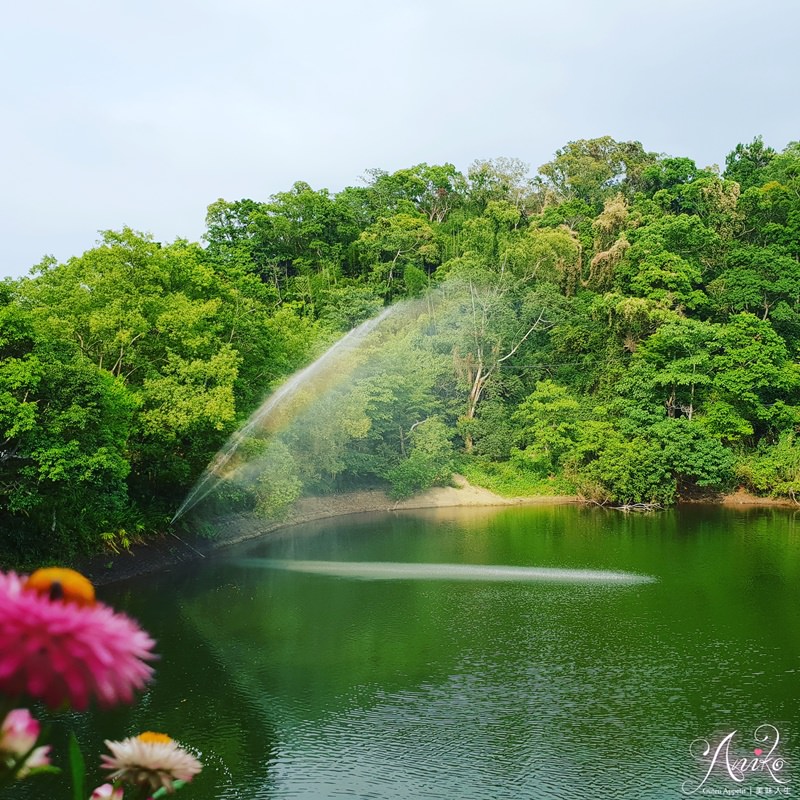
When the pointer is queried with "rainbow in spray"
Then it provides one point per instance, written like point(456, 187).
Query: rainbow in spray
point(239, 462)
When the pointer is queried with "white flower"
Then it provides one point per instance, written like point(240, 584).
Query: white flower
point(150, 759)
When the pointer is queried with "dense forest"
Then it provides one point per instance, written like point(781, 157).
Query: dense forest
point(623, 324)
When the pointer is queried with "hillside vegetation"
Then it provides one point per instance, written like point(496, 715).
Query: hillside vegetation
point(622, 324)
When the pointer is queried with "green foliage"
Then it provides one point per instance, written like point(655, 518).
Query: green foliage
point(499, 180)
point(278, 485)
point(694, 456)
point(543, 254)
point(591, 169)
point(608, 467)
point(674, 364)
point(493, 431)
point(754, 374)
point(348, 304)
point(665, 262)
point(77, 765)
point(547, 426)
point(512, 479)
point(392, 245)
point(432, 191)
point(63, 465)
point(746, 163)
point(429, 463)
point(624, 323)
point(757, 279)
point(772, 469)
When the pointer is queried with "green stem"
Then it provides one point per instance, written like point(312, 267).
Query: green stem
point(6, 777)
point(9, 774)
point(162, 792)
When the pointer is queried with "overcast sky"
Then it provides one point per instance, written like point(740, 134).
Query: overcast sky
point(141, 113)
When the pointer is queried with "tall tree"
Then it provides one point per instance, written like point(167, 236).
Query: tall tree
point(745, 164)
point(593, 169)
point(490, 317)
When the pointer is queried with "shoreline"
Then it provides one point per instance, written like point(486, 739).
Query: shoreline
point(169, 549)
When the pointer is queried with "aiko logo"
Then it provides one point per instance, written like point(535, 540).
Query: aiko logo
point(755, 771)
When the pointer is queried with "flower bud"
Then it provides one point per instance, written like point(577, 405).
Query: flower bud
point(107, 792)
point(19, 732)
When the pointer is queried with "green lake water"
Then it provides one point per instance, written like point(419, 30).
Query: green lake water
point(305, 685)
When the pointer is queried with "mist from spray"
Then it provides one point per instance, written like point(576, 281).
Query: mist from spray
point(283, 406)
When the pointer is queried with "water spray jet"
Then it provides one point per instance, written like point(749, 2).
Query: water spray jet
point(385, 570)
point(332, 367)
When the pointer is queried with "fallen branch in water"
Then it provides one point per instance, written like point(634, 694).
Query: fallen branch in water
point(628, 507)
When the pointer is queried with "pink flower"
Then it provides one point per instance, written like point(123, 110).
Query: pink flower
point(150, 759)
point(19, 732)
point(18, 735)
point(107, 792)
point(60, 646)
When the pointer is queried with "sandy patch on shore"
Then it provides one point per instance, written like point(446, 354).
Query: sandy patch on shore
point(742, 497)
point(462, 493)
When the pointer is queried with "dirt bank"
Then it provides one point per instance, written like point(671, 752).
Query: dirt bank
point(741, 497)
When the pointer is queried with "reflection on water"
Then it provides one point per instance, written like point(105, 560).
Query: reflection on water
point(297, 686)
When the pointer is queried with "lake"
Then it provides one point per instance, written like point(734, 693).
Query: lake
point(304, 684)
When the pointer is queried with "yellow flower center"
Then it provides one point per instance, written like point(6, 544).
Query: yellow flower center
point(60, 583)
point(154, 738)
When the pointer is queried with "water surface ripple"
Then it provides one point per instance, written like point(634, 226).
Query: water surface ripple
point(388, 657)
